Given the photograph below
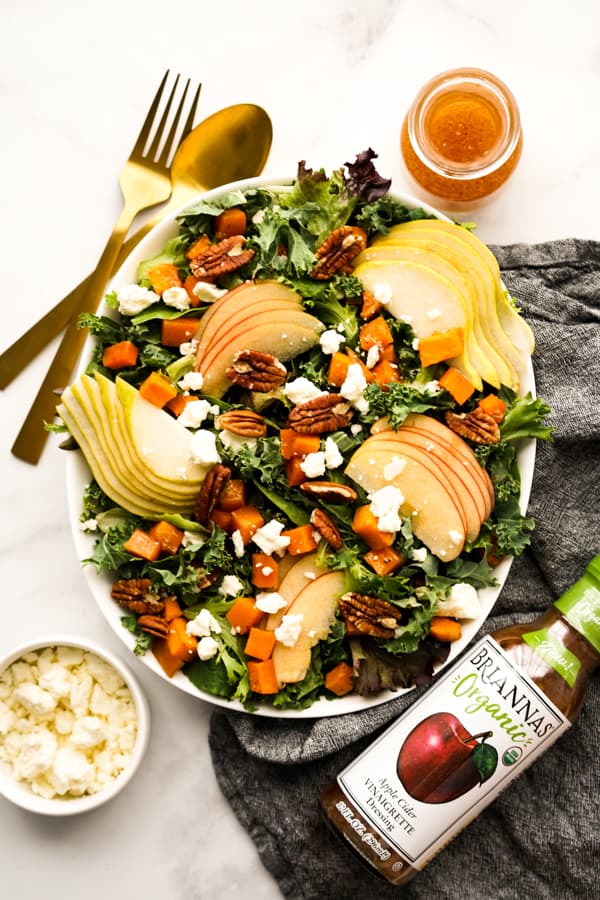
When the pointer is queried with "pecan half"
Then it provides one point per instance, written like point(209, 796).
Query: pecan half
point(320, 415)
point(336, 253)
point(136, 594)
point(210, 492)
point(256, 371)
point(369, 615)
point(154, 625)
point(477, 426)
point(244, 422)
point(327, 528)
point(221, 258)
point(329, 491)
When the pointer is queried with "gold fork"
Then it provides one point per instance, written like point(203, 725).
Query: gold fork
point(145, 181)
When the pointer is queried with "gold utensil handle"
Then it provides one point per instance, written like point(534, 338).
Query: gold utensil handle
point(16, 357)
point(32, 437)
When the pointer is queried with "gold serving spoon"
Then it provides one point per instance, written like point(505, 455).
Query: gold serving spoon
point(231, 144)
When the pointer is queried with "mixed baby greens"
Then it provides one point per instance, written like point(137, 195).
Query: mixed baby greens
point(285, 226)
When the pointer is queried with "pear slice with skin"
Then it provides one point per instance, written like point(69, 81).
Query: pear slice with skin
point(481, 352)
point(427, 301)
point(300, 574)
point(317, 605)
point(478, 257)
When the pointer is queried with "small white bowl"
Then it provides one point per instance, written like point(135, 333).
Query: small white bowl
point(20, 793)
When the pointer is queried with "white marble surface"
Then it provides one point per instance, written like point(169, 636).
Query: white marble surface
point(335, 77)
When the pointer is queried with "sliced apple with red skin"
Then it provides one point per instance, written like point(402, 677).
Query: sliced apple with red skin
point(444, 435)
point(481, 353)
point(241, 297)
point(302, 572)
point(317, 604)
point(436, 518)
point(240, 302)
point(465, 494)
point(233, 333)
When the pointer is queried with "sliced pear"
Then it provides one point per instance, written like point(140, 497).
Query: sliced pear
point(426, 300)
point(317, 604)
point(477, 257)
point(435, 517)
point(481, 353)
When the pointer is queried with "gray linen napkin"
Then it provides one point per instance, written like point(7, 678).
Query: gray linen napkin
point(541, 837)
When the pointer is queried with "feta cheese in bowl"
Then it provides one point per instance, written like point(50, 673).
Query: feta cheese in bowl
point(74, 725)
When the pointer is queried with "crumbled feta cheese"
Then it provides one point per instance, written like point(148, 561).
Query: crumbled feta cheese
point(462, 602)
point(415, 343)
point(71, 773)
point(432, 387)
point(88, 732)
point(238, 543)
point(385, 505)
point(373, 354)
point(356, 428)
point(177, 297)
point(353, 387)
point(231, 586)
point(191, 381)
point(188, 348)
point(313, 464)
point(333, 457)
point(395, 467)
point(207, 648)
point(192, 540)
point(207, 292)
point(38, 749)
point(270, 602)
point(382, 293)
point(434, 313)
point(203, 624)
point(419, 554)
point(194, 413)
point(301, 390)
point(58, 716)
point(331, 341)
point(35, 699)
point(289, 630)
point(133, 299)
point(203, 448)
point(269, 539)
point(89, 525)
point(456, 537)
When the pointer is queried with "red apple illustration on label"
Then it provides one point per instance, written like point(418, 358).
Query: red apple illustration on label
point(440, 760)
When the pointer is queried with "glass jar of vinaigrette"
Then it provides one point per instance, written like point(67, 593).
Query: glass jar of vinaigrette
point(461, 139)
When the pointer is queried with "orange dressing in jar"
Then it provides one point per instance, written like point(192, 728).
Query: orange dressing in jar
point(461, 138)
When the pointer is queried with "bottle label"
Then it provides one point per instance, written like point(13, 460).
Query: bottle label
point(580, 606)
point(555, 654)
point(451, 753)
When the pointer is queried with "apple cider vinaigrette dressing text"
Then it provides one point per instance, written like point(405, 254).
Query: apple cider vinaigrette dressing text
point(428, 776)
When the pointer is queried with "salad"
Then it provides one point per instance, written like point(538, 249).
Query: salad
point(302, 424)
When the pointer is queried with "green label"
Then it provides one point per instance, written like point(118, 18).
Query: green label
point(552, 652)
point(580, 605)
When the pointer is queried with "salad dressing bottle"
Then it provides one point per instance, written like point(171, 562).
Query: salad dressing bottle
point(483, 722)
